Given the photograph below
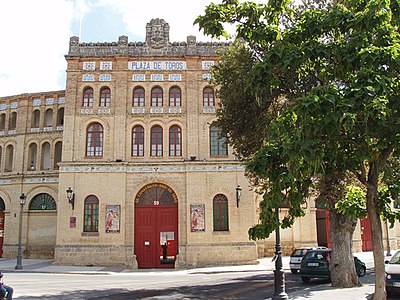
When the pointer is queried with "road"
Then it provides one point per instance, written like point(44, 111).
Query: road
point(171, 284)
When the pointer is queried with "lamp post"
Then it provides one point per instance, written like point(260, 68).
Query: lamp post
point(71, 197)
point(22, 200)
point(238, 194)
point(279, 275)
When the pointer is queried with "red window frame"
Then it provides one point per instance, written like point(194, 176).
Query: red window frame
point(94, 140)
point(105, 97)
point(220, 213)
point(157, 96)
point(138, 97)
point(138, 141)
point(175, 96)
point(175, 141)
point(87, 98)
point(91, 214)
point(156, 141)
point(208, 97)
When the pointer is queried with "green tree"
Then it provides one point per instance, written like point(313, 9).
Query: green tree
point(348, 121)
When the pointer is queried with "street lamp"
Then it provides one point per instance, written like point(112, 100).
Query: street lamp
point(22, 200)
point(71, 197)
point(238, 195)
point(279, 275)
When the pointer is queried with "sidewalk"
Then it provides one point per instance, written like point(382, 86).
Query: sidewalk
point(312, 291)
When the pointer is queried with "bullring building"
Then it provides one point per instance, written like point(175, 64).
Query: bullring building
point(126, 166)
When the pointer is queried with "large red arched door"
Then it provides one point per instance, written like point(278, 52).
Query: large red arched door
point(156, 227)
point(366, 235)
point(2, 220)
point(323, 227)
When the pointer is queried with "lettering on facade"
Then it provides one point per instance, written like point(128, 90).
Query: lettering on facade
point(156, 65)
point(206, 64)
point(105, 77)
point(175, 77)
point(156, 185)
point(157, 77)
point(87, 77)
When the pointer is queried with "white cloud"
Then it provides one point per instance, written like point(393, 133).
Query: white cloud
point(35, 36)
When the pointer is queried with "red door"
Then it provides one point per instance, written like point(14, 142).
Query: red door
point(1, 232)
point(156, 227)
point(366, 235)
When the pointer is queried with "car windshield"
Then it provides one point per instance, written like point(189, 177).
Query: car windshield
point(299, 252)
point(315, 255)
point(395, 259)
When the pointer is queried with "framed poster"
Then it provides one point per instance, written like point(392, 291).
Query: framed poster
point(113, 214)
point(197, 220)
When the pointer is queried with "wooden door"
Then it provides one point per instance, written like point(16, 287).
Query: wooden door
point(156, 227)
point(366, 235)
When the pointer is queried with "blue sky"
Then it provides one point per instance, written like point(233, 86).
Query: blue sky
point(35, 34)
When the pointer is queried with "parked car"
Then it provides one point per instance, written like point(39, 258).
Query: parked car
point(316, 264)
point(392, 270)
point(297, 255)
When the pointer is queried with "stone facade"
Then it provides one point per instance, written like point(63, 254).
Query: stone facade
point(53, 146)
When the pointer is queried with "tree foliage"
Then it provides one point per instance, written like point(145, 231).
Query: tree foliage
point(338, 71)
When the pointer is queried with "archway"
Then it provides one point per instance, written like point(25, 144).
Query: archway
point(156, 226)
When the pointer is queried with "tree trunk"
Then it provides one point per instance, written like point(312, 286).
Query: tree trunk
point(343, 271)
point(377, 240)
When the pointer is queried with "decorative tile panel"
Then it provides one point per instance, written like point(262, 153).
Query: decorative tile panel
point(104, 110)
point(209, 110)
point(175, 110)
point(3, 106)
point(13, 105)
point(105, 77)
point(49, 101)
point(207, 64)
point(36, 102)
point(106, 65)
point(61, 100)
point(35, 130)
point(207, 77)
point(156, 110)
point(89, 66)
point(138, 110)
point(157, 77)
point(138, 77)
point(87, 77)
point(86, 111)
point(60, 128)
point(47, 129)
point(12, 132)
point(175, 77)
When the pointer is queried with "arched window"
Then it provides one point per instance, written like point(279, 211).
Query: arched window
point(48, 122)
point(156, 137)
point(43, 202)
point(60, 116)
point(9, 158)
point(94, 140)
point(87, 99)
point(175, 141)
point(105, 97)
point(91, 214)
point(218, 145)
point(12, 125)
point(45, 162)
point(156, 97)
point(138, 97)
point(175, 96)
point(137, 141)
point(32, 157)
point(208, 97)
point(57, 155)
point(2, 121)
point(2, 205)
point(220, 213)
point(35, 119)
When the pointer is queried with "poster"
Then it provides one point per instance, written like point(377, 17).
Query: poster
point(113, 214)
point(197, 217)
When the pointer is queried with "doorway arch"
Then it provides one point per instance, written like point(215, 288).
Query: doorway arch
point(156, 226)
point(2, 220)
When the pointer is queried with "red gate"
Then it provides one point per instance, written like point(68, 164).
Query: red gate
point(156, 227)
point(366, 235)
